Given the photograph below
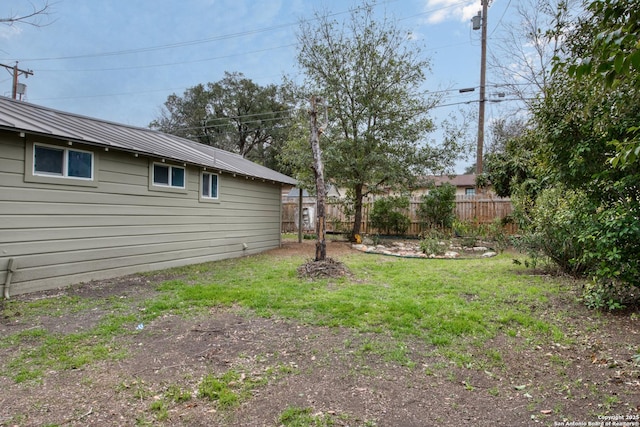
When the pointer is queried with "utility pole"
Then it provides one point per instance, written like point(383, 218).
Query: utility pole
point(483, 73)
point(16, 72)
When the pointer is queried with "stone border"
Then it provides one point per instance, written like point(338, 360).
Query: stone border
point(408, 250)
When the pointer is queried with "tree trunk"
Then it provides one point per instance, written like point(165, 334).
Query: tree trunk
point(357, 216)
point(321, 245)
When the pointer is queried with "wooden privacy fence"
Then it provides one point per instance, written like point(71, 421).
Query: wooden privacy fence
point(474, 209)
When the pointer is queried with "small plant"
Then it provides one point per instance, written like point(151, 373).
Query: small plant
point(432, 247)
point(497, 235)
point(220, 389)
point(600, 296)
point(160, 409)
point(433, 243)
point(176, 394)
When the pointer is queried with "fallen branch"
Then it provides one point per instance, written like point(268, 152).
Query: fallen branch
point(78, 418)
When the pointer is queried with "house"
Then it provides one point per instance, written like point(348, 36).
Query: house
point(465, 187)
point(465, 184)
point(84, 199)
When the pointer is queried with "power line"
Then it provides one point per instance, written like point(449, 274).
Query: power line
point(134, 67)
point(184, 43)
point(500, 20)
point(161, 47)
point(207, 40)
point(215, 38)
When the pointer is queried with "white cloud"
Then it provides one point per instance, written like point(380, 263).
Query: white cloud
point(9, 31)
point(451, 10)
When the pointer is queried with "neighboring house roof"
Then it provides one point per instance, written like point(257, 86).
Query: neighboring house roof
point(34, 119)
point(466, 180)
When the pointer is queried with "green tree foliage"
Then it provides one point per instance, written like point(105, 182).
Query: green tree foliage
point(510, 162)
point(437, 208)
point(234, 114)
point(586, 205)
point(388, 215)
point(371, 74)
point(609, 60)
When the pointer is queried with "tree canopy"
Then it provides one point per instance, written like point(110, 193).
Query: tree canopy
point(234, 114)
point(370, 72)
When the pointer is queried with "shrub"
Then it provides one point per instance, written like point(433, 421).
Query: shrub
point(387, 215)
point(587, 236)
point(612, 242)
point(557, 218)
point(437, 208)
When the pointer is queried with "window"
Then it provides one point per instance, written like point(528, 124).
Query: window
point(209, 185)
point(62, 162)
point(168, 176)
point(470, 191)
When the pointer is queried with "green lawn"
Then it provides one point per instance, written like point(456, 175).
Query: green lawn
point(437, 300)
point(449, 304)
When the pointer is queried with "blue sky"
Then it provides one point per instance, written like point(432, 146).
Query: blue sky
point(118, 60)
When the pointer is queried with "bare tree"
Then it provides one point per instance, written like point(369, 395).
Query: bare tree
point(521, 54)
point(318, 169)
point(32, 17)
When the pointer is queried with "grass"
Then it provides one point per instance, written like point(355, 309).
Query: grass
point(43, 350)
point(449, 304)
point(231, 388)
point(303, 417)
point(294, 416)
point(406, 297)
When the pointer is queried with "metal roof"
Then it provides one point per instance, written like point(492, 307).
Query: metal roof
point(25, 117)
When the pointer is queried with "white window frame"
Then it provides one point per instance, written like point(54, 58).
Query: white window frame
point(208, 175)
point(65, 163)
point(170, 184)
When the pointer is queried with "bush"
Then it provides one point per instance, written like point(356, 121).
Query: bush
point(437, 208)
point(588, 237)
point(556, 220)
point(612, 242)
point(387, 215)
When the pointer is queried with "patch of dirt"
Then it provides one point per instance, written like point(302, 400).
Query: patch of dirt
point(354, 379)
point(335, 248)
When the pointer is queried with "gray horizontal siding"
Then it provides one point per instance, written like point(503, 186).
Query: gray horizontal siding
point(62, 234)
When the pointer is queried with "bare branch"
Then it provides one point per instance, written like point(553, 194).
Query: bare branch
point(32, 18)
